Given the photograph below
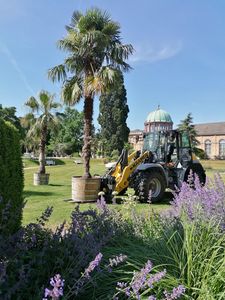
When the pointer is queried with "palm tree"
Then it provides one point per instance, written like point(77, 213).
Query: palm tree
point(42, 119)
point(95, 55)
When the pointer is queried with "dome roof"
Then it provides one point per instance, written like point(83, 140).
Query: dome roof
point(159, 115)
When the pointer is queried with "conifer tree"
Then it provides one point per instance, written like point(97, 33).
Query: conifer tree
point(188, 126)
point(113, 113)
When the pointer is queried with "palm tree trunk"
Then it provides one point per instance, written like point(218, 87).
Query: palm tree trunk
point(86, 151)
point(42, 151)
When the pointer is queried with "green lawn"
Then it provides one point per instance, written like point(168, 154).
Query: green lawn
point(59, 190)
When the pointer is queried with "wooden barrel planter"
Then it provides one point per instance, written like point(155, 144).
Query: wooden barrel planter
point(41, 179)
point(85, 189)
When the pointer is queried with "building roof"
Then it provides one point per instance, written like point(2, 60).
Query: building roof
point(136, 131)
point(217, 128)
point(159, 115)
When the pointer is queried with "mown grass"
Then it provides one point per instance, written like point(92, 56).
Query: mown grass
point(215, 165)
point(58, 192)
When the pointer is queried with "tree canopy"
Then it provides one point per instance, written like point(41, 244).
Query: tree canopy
point(68, 139)
point(42, 118)
point(9, 114)
point(188, 126)
point(95, 54)
point(113, 113)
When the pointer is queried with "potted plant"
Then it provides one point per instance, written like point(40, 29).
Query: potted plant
point(42, 118)
point(95, 57)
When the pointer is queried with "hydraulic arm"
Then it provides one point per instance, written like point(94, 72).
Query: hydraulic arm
point(122, 175)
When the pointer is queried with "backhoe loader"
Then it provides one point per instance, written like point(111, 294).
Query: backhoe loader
point(164, 162)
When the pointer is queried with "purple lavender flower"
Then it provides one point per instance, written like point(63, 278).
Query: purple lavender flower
point(143, 281)
point(202, 203)
point(93, 264)
point(155, 278)
point(176, 293)
point(113, 262)
point(121, 285)
point(57, 283)
point(141, 277)
point(101, 203)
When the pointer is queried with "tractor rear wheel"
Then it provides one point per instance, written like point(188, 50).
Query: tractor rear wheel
point(150, 186)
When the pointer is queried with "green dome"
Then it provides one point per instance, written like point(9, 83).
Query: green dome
point(159, 115)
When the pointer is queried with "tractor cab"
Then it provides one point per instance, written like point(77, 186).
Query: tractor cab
point(169, 147)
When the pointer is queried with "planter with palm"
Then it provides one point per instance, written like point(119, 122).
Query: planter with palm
point(42, 118)
point(95, 57)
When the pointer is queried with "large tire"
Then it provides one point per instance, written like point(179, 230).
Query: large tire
point(150, 181)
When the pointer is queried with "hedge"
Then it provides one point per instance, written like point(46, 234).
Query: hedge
point(11, 179)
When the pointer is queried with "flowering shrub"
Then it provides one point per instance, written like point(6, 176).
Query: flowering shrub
point(85, 252)
point(28, 258)
point(57, 283)
point(143, 283)
point(201, 203)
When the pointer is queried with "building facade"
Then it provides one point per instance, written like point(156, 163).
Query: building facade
point(211, 136)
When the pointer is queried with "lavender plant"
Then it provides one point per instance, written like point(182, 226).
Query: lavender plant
point(201, 203)
point(67, 250)
point(142, 284)
point(57, 291)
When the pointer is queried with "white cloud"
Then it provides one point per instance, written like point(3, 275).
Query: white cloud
point(5, 50)
point(151, 54)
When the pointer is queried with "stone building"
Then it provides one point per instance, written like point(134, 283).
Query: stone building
point(156, 120)
point(211, 137)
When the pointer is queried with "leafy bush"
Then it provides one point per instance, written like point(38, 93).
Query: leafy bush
point(11, 179)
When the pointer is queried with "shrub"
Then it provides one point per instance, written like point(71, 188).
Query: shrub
point(201, 203)
point(11, 179)
point(191, 250)
point(33, 254)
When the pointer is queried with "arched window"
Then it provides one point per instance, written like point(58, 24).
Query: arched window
point(208, 146)
point(222, 148)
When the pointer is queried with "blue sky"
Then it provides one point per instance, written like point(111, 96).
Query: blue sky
point(179, 60)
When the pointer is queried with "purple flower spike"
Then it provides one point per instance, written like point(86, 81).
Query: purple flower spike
point(57, 283)
point(176, 293)
point(93, 264)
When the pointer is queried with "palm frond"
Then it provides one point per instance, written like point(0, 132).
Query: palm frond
point(35, 130)
point(75, 64)
point(55, 105)
point(102, 81)
point(33, 104)
point(72, 91)
point(75, 18)
point(27, 120)
point(45, 100)
point(71, 42)
point(112, 29)
point(57, 73)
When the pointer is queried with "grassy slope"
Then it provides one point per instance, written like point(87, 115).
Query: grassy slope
point(59, 189)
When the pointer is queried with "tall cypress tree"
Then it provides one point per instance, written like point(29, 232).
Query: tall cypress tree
point(187, 125)
point(113, 113)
